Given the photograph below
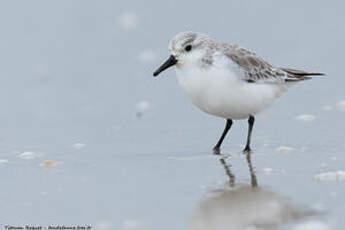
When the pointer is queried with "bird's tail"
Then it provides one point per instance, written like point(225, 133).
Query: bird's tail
point(300, 75)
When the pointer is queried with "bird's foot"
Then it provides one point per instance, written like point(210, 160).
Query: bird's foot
point(247, 150)
point(216, 150)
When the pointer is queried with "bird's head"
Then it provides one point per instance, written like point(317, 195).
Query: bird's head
point(186, 49)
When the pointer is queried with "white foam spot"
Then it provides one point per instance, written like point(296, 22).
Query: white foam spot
point(333, 194)
point(29, 155)
point(323, 165)
point(129, 20)
point(44, 193)
point(305, 117)
point(318, 207)
point(341, 175)
point(142, 107)
point(312, 225)
point(251, 228)
point(284, 149)
point(3, 161)
point(341, 105)
point(147, 56)
point(267, 170)
point(79, 146)
point(327, 108)
point(331, 176)
point(131, 224)
point(104, 225)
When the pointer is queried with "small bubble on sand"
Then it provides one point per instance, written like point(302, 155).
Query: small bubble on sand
point(142, 107)
point(129, 20)
point(44, 193)
point(3, 161)
point(334, 158)
point(267, 170)
point(305, 117)
point(284, 149)
point(318, 207)
point(333, 194)
point(331, 176)
point(251, 228)
point(29, 155)
point(79, 146)
point(327, 107)
point(131, 224)
point(147, 56)
point(104, 225)
point(323, 165)
point(312, 225)
point(341, 105)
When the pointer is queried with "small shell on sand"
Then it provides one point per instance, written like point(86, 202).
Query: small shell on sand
point(129, 20)
point(284, 149)
point(331, 176)
point(48, 163)
point(305, 117)
point(341, 105)
point(3, 161)
point(79, 146)
point(327, 107)
point(142, 107)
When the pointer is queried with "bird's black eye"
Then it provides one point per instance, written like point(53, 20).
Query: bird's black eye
point(188, 48)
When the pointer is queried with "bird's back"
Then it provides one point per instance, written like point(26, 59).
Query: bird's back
point(256, 69)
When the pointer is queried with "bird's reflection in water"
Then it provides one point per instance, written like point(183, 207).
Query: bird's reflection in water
point(245, 207)
point(231, 176)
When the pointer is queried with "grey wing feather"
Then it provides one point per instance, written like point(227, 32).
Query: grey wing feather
point(299, 75)
point(258, 70)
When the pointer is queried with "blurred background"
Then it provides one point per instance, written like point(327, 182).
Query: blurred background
point(89, 137)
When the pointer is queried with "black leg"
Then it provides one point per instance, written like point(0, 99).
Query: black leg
point(216, 149)
point(250, 128)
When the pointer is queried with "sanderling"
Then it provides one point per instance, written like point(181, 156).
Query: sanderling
point(226, 80)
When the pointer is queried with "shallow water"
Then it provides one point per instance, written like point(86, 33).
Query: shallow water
point(88, 137)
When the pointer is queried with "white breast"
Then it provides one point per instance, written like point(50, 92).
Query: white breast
point(219, 90)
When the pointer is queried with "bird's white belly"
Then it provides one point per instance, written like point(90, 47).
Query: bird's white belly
point(221, 93)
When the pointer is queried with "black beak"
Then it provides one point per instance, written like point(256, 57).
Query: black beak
point(168, 63)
